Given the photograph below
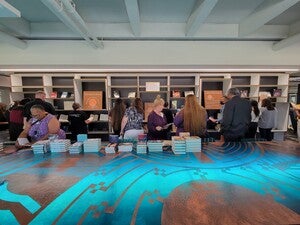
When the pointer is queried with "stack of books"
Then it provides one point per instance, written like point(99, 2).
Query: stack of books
point(92, 145)
point(125, 147)
point(111, 148)
point(82, 137)
point(193, 144)
point(60, 145)
point(178, 145)
point(76, 148)
point(41, 147)
point(141, 147)
point(155, 146)
point(1, 146)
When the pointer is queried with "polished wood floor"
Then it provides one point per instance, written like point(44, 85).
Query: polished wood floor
point(226, 183)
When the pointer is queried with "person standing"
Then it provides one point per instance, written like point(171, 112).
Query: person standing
point(39, 99)
point(16, 122)
point(156, 121)
point(170, 119)
point(78, 121)
point(192, 118)
point(236, 116)
point(132, 121)
point(254, 120)
point(116, 114)
point(267, 119)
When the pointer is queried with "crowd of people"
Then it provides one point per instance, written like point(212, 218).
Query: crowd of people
point(239, 119)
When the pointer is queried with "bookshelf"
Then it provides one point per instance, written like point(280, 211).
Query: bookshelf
point(172, 86)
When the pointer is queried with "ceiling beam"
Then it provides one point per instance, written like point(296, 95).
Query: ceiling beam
point(294, 28)
point(18, 26)
point(12, 40)
point(58, 10)
point(71, 11)
point(7, 10)
point(199, 15)
point(133, 13)
point(286, 42)
point(269, 10)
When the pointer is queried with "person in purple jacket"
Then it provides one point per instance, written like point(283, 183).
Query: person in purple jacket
point(157, 121)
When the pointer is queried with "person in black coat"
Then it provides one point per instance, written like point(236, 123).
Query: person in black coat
point(236, 116)
point(78, 121)
point(39, 99)
point(169, 115)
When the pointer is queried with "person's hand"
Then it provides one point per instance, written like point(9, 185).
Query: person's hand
point(19, 147)
point(158, 128)
point(213, 119)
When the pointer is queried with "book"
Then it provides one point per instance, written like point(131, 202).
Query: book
point(23, 141)
point(103, 117)
point(167, 126)
point(116, 94)
point(277, 92)
point(53, 94)
point(131, 94)
point(244, 93)
point(92, 100)
point(94, 117)
point(152, 86)
point(174, 104)
point(63, 118)
point(186, 93)
point(68, 105)
point(64, 94)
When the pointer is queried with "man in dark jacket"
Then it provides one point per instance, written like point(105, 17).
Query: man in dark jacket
point(236, 116)
point(39, 99)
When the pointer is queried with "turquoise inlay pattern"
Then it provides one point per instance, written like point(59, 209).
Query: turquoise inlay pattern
point(5, 195)
point(131, 189)
point(6, 217)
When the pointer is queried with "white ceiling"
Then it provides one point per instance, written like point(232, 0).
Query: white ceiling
point(275, 20)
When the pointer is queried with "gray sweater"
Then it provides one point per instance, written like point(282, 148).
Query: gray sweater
point(268, 118)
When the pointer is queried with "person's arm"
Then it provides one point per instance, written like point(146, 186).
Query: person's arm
point(123, 124)
point(23, 134)
point(227, 117)
point(178, 119)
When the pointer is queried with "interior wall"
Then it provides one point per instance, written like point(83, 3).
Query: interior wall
point(150, 53)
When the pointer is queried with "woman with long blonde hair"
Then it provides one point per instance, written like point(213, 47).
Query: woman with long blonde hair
point(192, 118)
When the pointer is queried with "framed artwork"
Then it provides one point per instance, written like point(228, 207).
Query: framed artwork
point(92, 100)
point(212, 99)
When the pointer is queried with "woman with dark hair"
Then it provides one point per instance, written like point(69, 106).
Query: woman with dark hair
point(132, 122)
point(78, 121)
point(116, 114)
point(254, 119)
point(267, 119)
point(40, 126)
point(192, 118)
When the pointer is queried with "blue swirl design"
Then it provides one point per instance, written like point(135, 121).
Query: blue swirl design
point(130, 188)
